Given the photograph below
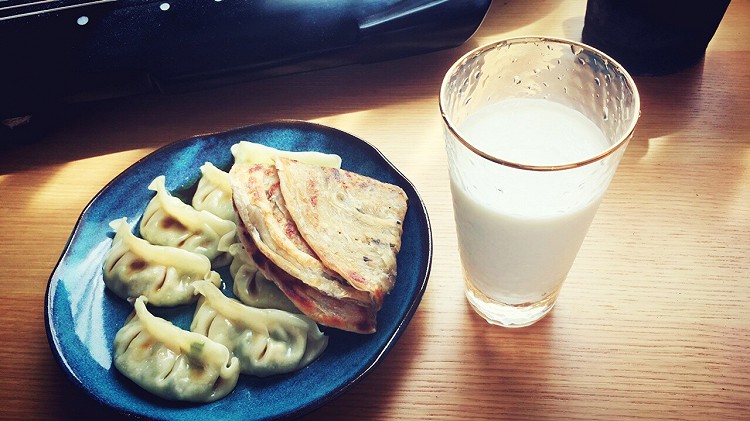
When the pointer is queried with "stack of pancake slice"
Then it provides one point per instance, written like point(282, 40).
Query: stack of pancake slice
point(327, 237)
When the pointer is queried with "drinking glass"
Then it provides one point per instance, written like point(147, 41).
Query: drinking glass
point(535, 128)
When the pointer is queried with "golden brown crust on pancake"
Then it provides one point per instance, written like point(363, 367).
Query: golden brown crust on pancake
point(261, 208)
point(341, 314)
point(352, 222)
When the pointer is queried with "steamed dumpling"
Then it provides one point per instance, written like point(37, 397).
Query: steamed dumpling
point(171, 362)
point(266, 341)
point(214, 193)
point(255, 153)
point(165, 275)
point(251, 287)
point(170, 222)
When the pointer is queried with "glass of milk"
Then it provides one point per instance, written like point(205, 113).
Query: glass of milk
point(534, 129)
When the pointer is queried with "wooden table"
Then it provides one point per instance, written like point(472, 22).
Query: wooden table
point(653, 321)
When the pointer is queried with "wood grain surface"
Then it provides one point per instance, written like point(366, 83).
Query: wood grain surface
point(653, 321)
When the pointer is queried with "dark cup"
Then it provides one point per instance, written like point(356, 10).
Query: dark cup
point(653, 37)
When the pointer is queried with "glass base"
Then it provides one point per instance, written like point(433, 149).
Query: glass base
point(510, 315)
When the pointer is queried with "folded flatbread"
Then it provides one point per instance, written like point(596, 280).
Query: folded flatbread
point(260, 205)
point(353, 223)
point(347, 315)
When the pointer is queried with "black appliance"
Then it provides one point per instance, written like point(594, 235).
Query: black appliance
point(58, 52)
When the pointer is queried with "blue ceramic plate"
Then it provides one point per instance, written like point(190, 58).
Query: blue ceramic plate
point(82, 317)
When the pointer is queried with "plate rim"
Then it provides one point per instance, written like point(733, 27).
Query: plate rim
point(422, 280)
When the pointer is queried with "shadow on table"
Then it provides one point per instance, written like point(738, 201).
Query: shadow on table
point(372, 396)
point(153, 120)
point(509, 15)
point(511, 368)
point(698, 101)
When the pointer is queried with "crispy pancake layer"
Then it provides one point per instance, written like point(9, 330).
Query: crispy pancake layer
point(353, 223)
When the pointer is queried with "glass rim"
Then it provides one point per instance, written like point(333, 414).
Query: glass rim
point(526, 40)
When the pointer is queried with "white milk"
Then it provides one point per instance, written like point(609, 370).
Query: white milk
point(517, 246)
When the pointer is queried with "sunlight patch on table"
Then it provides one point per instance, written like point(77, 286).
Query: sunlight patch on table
point(78, 181)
